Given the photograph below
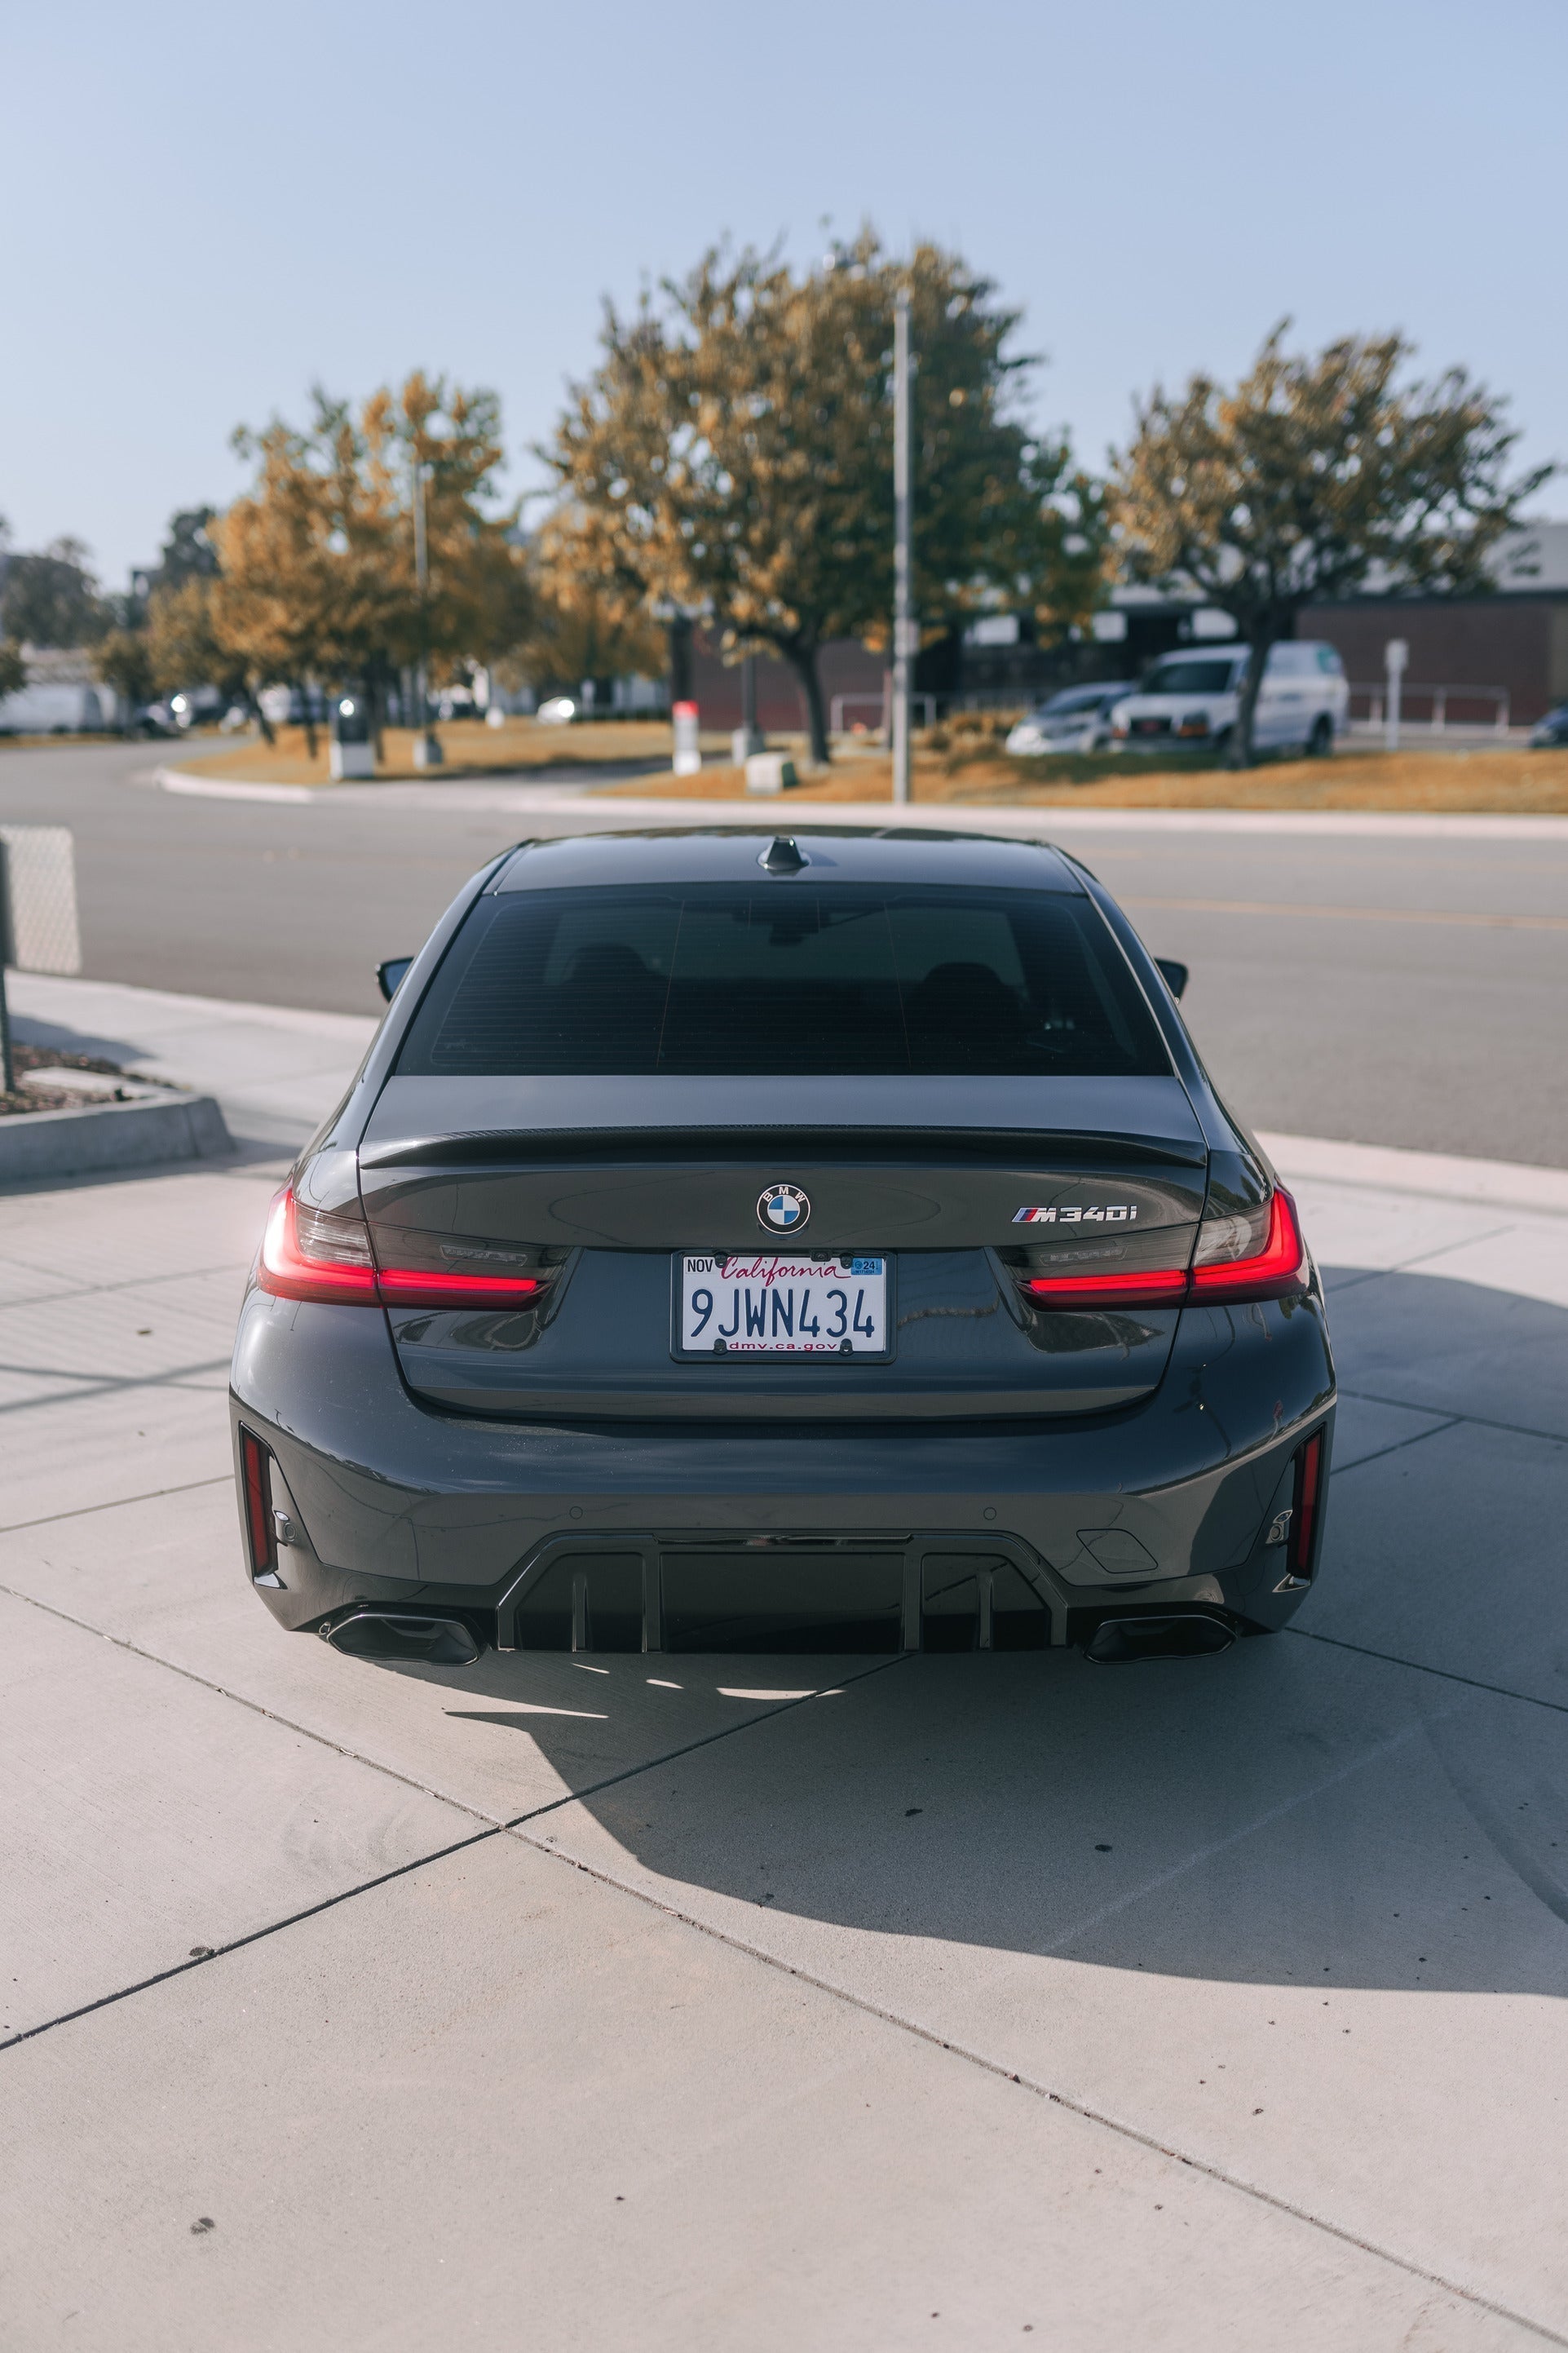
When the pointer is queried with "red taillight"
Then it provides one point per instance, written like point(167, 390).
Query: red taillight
point(1160, 1286)
point(323, 1266)
point(1274, 1270)
point(313, 1254)
point(408, 1286)
point(1272, 1273)
point(260, 1531)
point(1304, 1515)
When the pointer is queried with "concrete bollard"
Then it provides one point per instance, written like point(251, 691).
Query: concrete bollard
point(770, 772)
point(687, 750)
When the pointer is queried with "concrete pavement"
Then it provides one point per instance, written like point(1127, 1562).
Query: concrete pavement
point(832, 2003)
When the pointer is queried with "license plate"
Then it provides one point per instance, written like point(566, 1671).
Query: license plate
point(769, 1306)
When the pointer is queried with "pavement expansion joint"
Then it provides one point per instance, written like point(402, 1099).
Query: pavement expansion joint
point(1475, 1420)
point(234, 1267)
point(490, 1828)
point(971, 2056)
point(1397, 1445)
point(114, 1504)
point(95, 1384)
point(1245, 1830)
point(1420, 1667)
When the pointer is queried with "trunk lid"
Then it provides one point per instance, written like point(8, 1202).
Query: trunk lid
point(608, 1182)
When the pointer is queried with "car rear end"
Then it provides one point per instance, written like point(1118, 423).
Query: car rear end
point(595, 1321)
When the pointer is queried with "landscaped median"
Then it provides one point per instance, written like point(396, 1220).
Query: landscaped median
point(76, 1116)
point(1514, 780)
point(509, 753)
point(951, 767)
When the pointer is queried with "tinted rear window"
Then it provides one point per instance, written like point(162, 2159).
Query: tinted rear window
point(724, 980)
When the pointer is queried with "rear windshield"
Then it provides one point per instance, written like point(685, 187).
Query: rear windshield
point(725, 980)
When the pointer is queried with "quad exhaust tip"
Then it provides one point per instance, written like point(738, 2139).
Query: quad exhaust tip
point(393, 1634)
point(1188, 1634)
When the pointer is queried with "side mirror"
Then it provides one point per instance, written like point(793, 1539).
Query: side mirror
point(1173, 974)
point(392, 975)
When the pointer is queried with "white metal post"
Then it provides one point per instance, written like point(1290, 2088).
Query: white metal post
point(1395, 654)
point(904, 636)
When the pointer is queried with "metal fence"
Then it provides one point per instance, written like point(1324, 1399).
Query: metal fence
point(876, 702)
point(38, 926)
point(1438, 700)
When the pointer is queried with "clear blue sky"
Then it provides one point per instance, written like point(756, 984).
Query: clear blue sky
point(207, 208)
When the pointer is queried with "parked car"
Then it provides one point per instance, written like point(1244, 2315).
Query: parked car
point(745, 1243)
point(1076, 720)
point(1194, 698)
point(1553, 729)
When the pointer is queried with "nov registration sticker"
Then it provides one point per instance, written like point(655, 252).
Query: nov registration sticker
point(762, 1305)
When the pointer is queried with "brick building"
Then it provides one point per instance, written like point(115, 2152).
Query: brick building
point(1512, 642)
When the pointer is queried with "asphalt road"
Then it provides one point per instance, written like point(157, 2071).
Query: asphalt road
point(1379, 991)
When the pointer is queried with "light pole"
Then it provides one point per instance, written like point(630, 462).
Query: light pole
point(904, 632)
point(427, 751)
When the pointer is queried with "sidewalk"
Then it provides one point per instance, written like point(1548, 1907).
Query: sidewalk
point(275, 1071)
point(786, 2003)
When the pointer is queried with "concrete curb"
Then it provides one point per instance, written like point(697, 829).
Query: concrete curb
point(1441, 1176)
point(549, 800)
point(103, 1137)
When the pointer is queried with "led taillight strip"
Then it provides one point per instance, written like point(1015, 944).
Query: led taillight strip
point(289, 1273)
point(407, 1286)
point(1160, 1286)
point(1277, 1270)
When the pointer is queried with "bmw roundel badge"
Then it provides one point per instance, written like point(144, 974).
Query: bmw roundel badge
point(784, 1207)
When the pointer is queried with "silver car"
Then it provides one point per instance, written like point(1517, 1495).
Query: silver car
point(1077, 719)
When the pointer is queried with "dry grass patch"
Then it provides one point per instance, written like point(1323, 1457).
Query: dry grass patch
point(472, 749)
point(1516, 781)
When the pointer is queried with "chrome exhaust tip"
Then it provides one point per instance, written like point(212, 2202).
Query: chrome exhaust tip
point(1187, 1634)
point(393, 1634)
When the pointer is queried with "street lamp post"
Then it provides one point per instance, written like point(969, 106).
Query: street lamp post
point(904, 632)
point(427, 751)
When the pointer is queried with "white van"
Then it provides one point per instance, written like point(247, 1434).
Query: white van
point(1192, 698)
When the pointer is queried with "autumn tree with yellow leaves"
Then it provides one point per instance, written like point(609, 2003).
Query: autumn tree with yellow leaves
point(316, 565)
point(733, 454)
point(1315, 477)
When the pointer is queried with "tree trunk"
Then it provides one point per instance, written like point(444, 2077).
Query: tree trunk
point(802, 660)
point(307, 708)
point(1261, 638)
point(678, 637)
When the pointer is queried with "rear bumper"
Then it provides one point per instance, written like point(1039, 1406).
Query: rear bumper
point(1166, 1503)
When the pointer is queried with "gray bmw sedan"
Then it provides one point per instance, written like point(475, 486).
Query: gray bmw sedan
point(827, 1243)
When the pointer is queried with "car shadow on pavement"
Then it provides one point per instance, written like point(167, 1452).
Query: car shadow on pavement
point(1378, 1797)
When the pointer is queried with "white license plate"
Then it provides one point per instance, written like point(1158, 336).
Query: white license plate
point(771, 1306)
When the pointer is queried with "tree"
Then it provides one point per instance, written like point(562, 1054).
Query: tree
point(576, 625)
point(1313, 477)
point(12, 668)
point(316, 575)
point(52, 600)
point(123, 660)
point(732, 453)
